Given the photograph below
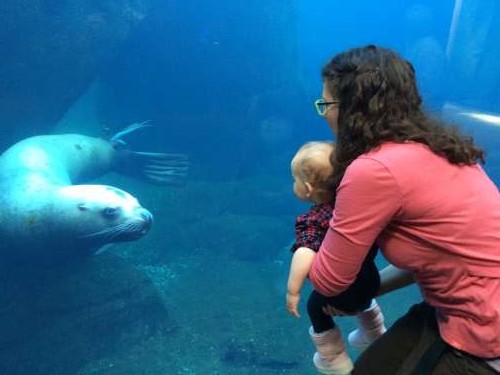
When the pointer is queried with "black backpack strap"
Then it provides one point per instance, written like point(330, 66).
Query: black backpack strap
point(428, 349)
point(430, 358)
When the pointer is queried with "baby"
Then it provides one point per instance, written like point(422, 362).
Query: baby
point(312, 171)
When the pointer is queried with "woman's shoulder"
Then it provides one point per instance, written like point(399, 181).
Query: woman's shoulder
point(395, 163)
point(396, 150)
point(404, 155)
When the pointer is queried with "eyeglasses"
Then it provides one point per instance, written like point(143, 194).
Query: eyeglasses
point(322, 106)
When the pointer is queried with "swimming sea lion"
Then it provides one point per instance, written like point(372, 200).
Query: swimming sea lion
point(46, 212)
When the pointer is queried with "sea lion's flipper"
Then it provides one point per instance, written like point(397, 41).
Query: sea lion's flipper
point(160, 168)
point(154, 167)
point(117, 138)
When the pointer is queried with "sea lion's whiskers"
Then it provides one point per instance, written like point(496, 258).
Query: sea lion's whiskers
point(111, 233)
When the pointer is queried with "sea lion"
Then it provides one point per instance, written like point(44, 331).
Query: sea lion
point(46, 212)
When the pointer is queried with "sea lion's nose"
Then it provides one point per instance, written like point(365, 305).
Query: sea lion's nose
point(147, 217)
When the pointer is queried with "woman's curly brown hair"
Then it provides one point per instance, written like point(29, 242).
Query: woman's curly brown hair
point(379, 102)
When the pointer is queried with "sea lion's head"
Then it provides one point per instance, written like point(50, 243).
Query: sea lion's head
point(97, 215)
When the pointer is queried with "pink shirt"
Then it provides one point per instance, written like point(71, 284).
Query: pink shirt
point(439, 221)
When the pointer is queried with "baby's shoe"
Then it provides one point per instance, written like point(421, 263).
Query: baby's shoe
point(370, 327)
point(330, 358)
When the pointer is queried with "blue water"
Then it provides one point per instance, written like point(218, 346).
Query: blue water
point(232, 85)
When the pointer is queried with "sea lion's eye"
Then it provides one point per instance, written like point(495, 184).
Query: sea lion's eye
point(109, 212)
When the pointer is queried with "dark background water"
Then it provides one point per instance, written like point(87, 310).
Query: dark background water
point(231, 84)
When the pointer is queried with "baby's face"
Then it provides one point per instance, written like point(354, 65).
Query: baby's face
point(299, 187)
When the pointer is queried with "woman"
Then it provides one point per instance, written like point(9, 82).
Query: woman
point(414, 186)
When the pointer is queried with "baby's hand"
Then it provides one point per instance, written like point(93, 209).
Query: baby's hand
point(292, 304)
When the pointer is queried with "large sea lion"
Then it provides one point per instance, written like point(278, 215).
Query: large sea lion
point(46, 212)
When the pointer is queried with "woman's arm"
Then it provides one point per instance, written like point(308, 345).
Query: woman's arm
point(368, 199)
point(393, 278)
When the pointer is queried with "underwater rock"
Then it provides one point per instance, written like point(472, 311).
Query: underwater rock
point(76, 314)
point(51, 52)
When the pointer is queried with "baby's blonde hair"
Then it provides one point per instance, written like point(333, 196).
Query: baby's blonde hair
point(311, 164)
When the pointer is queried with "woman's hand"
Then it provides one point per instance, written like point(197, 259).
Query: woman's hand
point(292, 304)
point(332, 311)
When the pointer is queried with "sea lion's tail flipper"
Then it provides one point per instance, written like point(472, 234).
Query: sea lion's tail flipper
point(154, 167)
point(160, 168)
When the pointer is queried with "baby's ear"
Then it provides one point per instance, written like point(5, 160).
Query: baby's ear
point(309, 188)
